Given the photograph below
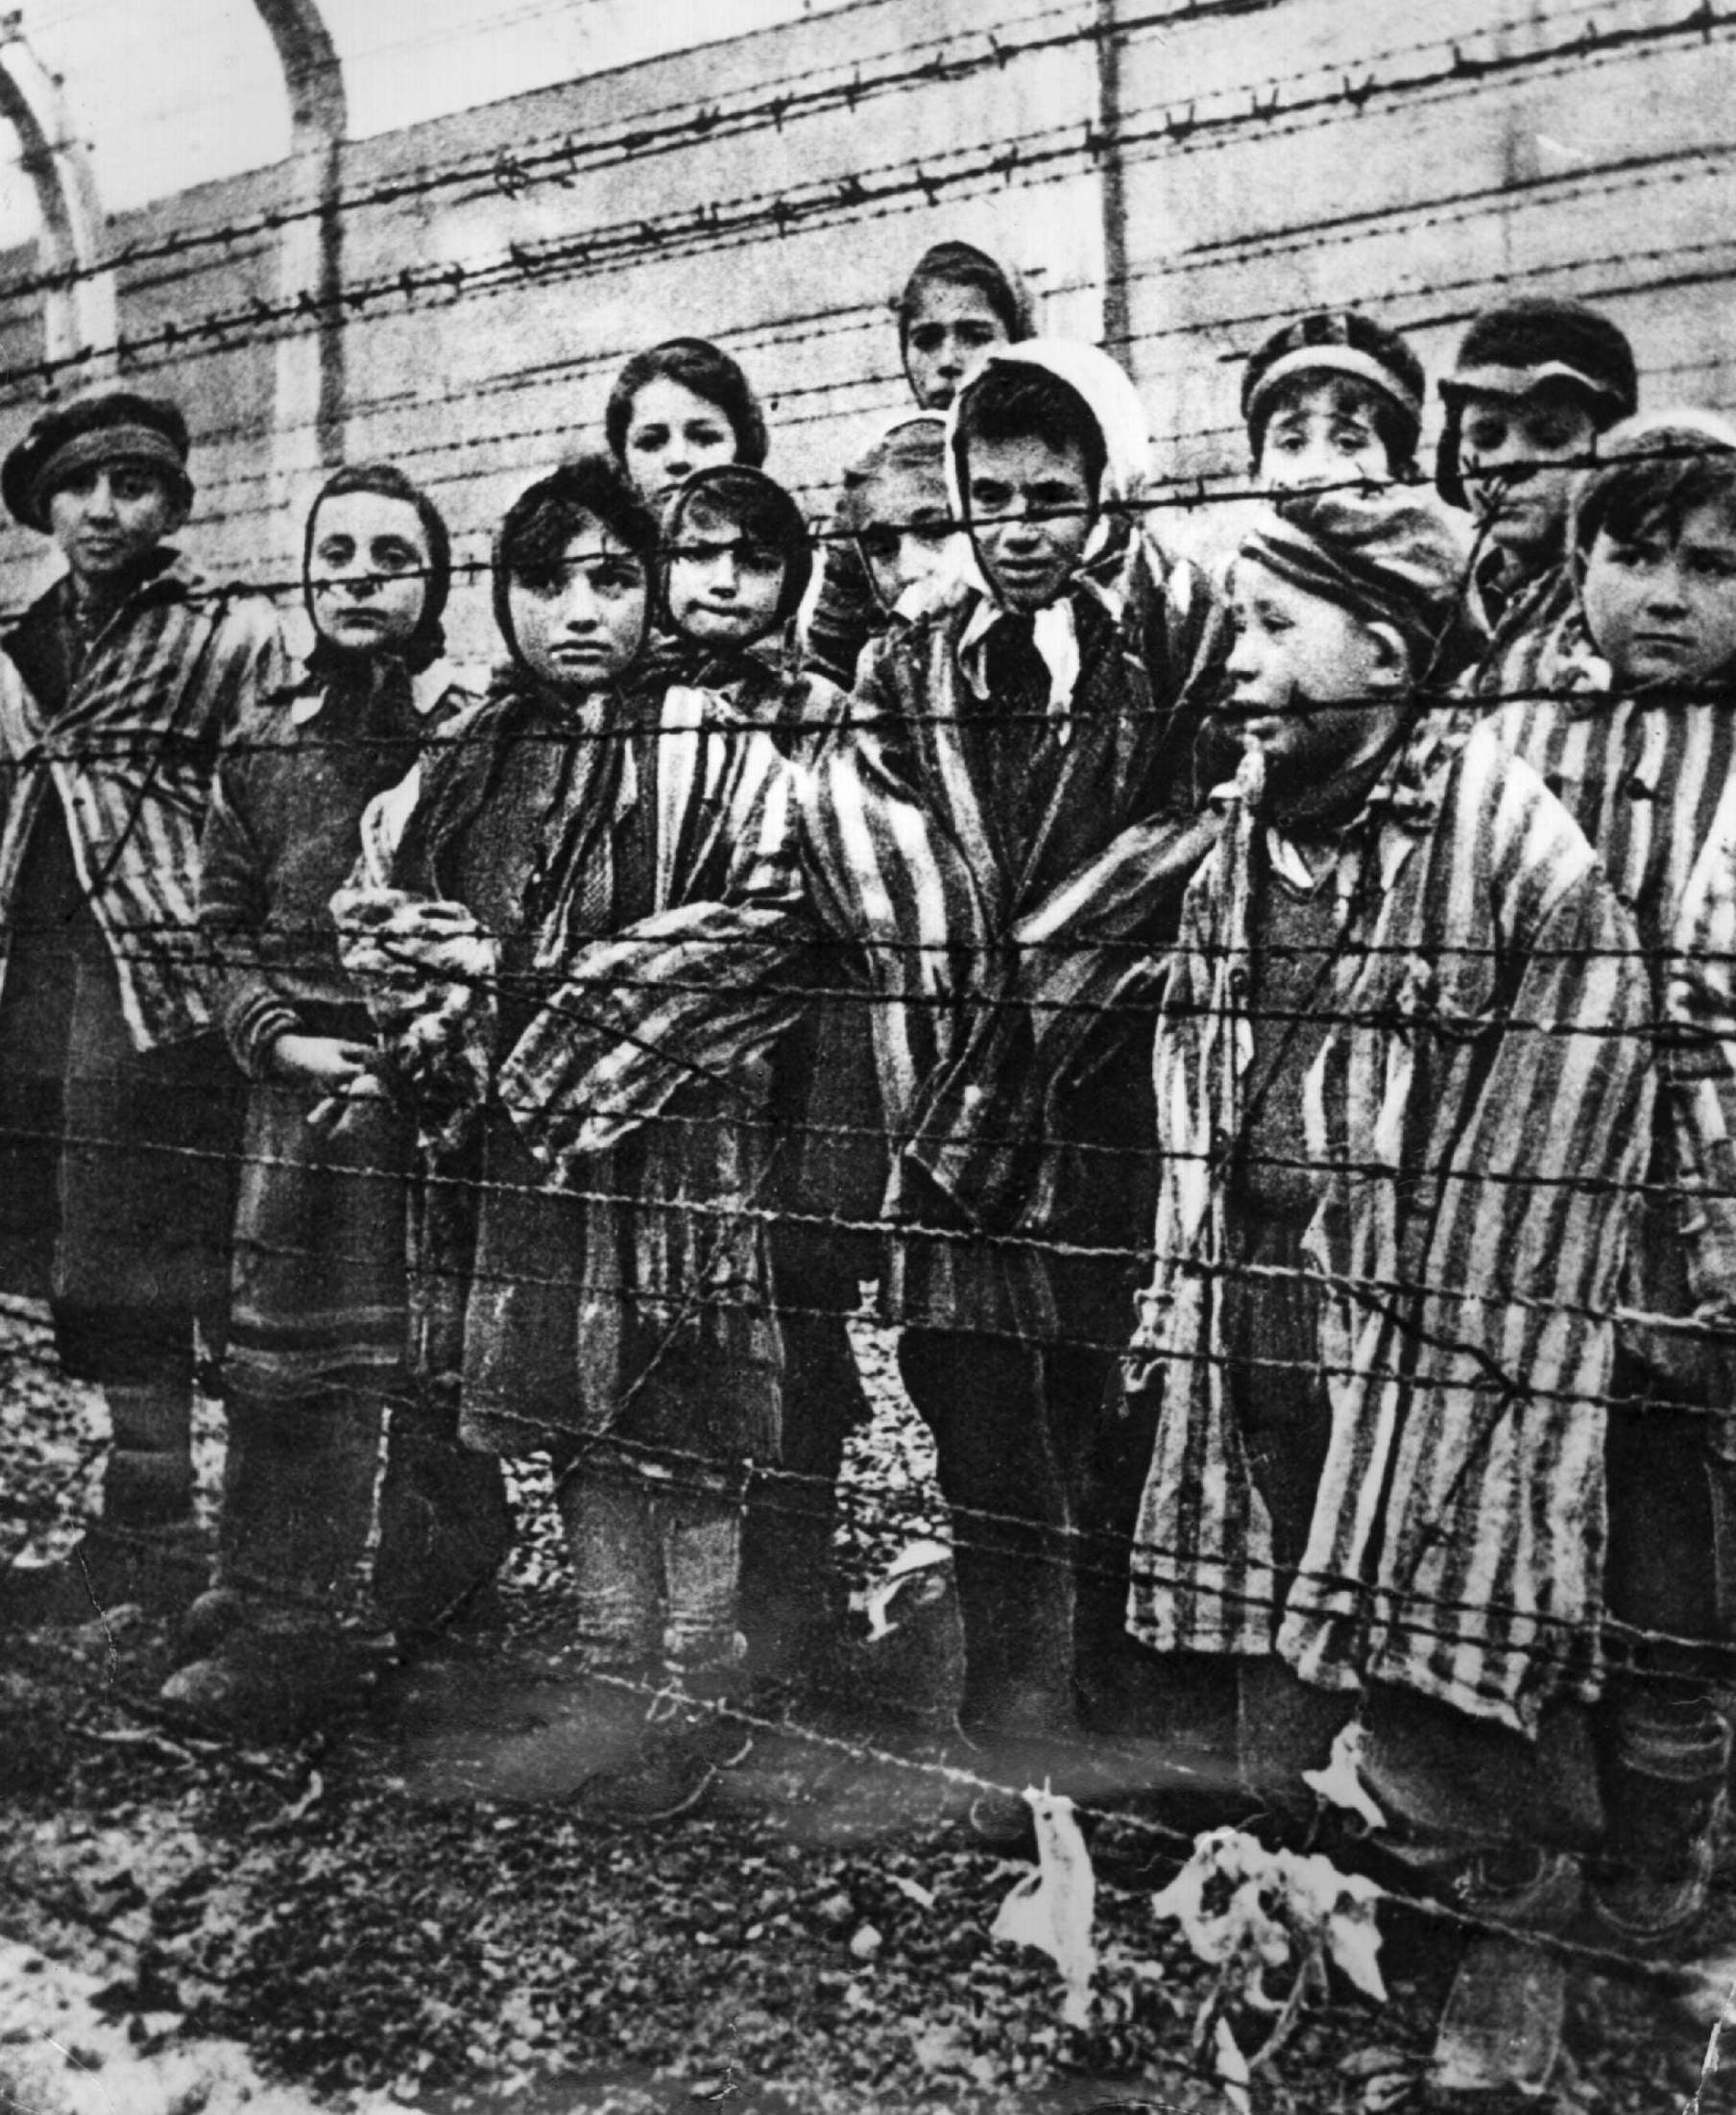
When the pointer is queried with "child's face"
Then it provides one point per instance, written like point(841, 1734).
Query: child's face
point(724, 587)
point(1316, 687)
point(951, 330)
point(1551, 430)
point(671, 433)
point(1660, 602)
point(1323, 431)
point(1031, 515)
point(906, 533)
point(368, 569)
point(107, 518)
point(581, 630)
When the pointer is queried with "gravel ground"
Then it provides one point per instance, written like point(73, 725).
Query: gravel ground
point(418, 1912)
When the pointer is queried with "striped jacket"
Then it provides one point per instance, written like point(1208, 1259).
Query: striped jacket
point(996, 981)
point(986, 986)
point(551, 1290)
point(1701, 1077)
point(128, 757)
point(1529, 638)
point(1643, 776)
point(1489, 1071)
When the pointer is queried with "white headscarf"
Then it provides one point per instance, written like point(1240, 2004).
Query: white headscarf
point(1112, 402)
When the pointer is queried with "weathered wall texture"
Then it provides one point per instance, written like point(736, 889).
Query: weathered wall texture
point(1246, 157)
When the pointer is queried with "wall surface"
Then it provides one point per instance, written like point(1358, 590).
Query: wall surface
point(1247, 157)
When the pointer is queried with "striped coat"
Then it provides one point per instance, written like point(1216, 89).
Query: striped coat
point(1490, 1069)
point(1643, 778)
point(1529, 641)
point(1700, 1079)
point(565, 1266)
point(128, 757)
point(986, 983)
point(1000, 979)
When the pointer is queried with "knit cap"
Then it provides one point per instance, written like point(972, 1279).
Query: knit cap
point(1335, 341)
point(115, 426)
point(1525, 345)
point(1511, 350)
point(1388, 557)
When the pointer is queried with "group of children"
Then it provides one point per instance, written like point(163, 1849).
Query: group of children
point(1265, 1030)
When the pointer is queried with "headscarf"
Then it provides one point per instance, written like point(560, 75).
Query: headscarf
point(1388, 557)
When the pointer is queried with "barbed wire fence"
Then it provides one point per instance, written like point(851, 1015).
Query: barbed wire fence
point(175, 350)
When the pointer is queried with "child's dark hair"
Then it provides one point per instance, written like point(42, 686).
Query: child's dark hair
point(1653, 473)
point(760, 509)
point(1396, 434)
point(708, 371)
point(428, 642)
point(1344, 343)
point(1006, 402)
point(963, 264)
point(546, 517)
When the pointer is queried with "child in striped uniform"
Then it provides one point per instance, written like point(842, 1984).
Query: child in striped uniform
point(1535, 382)
point(738, 562)
point(118, 1102)
point(1639, 744)
point(1402, 1090)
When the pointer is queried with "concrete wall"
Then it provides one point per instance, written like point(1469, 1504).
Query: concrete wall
point(1418, 160)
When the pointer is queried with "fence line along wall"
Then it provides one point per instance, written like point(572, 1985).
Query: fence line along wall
point(1252, 157)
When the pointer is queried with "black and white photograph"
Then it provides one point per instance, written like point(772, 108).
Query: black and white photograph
point(867, 1057)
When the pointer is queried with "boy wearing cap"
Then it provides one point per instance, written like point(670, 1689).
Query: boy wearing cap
point(120, 1105)
point(1333, 398)
point(1400, 1086)
point(1536, 383)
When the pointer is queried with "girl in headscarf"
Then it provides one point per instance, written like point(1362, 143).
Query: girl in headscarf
point(317, 1328)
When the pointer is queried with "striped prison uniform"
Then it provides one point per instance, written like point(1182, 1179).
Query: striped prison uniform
point(597, 1268)
point(126, 757)
point(1528, 635)
point(1489, 1098)
point(117, 1103)
point(1643, 776)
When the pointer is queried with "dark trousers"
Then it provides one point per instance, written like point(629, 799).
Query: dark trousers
point(1003, 1471)
point(792, 1597)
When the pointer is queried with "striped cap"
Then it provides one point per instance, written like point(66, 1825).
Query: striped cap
point(1388, 557)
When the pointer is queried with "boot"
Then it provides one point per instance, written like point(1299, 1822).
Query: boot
point(1666, 1774)
point(146, 1548)
point(298, 1499)
point(445, 1528)
point(1501, 2025)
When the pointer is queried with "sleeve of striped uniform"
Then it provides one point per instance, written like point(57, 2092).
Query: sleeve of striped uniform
point(1086, 947)
point(1700, 1072)
point(694, 993)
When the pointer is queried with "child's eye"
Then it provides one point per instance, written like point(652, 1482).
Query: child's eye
point(878, 545)
point(650, 437)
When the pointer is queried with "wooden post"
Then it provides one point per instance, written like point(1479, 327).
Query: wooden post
point(79, 313)
point(1113, 182)
point(308, 411)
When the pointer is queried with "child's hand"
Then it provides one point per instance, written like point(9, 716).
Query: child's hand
point(325, 1063)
